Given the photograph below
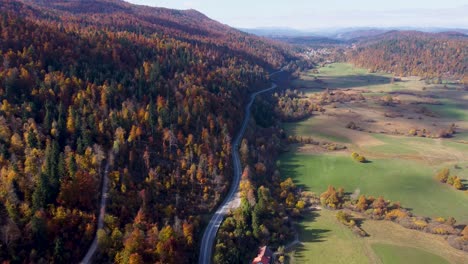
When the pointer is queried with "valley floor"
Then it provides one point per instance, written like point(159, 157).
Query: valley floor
point(390, 121)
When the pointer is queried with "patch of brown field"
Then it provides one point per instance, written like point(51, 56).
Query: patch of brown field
point(422, 157)
point(334, 123)
point(311, 149)
point(315, 149)
point(377, 119)
point(372, 118)
point(429, 160)
point(438, 154)
point(462, 127)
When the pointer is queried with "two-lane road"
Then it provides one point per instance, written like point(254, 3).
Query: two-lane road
point(216, 220)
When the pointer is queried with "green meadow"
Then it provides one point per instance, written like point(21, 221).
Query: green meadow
point(408, 182)
point(324, 240)
point(322, 237)
point(401, 169)
point(391, 254)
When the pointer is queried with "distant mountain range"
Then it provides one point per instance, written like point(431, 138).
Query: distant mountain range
point(277, 31)
point(341, 33)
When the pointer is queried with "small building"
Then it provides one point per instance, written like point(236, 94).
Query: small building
point(265, 256)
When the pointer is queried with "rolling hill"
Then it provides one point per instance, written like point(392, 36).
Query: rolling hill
point(431, 55)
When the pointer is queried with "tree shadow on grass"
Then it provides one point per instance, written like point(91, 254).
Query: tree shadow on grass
point(465, 184)
point(358, 220)
point(307, 234)
point(351, 81)
point(310, 235)
point(290, 169)
point(342, 82)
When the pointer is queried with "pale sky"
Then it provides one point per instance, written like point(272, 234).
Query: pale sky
point(313, 14)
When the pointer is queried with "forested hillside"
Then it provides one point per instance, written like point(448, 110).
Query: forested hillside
point(162, 90)
point(431, 55)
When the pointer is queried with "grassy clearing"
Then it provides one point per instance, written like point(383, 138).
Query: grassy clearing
point(450, 110)
point(409, 182)
point(456, 145)
point(385, 232)
point(307, 128)
point(391, 254)
point(391, 145)
point(421, 147)
point(324, 240)
point(341, 69)
point(343, 75)
point(340, 75)
point(462, 136)
point(322, 237)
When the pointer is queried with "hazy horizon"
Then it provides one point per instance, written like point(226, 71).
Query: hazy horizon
point(305, 15)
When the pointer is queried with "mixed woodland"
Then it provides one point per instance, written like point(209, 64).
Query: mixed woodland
point(156, 94)
point(434, 56)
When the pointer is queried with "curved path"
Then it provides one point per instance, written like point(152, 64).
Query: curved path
point(102, 211)
point(216, 220)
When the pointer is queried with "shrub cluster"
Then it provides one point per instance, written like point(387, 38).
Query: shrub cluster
point(352, 125)
point(309, 140)
point(442, 133)
point(348, 221)
point(455, 181)
point(358, 157)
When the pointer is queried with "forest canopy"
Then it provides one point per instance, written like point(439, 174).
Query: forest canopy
point(411, 53)
point(159, 88)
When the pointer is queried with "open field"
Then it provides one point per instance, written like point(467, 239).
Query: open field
point(322, 236)
point(306, 128)
point(391, 254)
point(401, 180)
point(445, 104)
point(401, 167)
point(389, 233)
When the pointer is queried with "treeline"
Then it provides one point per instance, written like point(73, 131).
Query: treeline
point(411, 53)
point(78, 81)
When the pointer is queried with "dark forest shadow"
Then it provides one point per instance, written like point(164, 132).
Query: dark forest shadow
point(308, 234)
point(344, 81)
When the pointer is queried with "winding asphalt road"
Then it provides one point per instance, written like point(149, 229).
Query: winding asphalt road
point(102, 212)
point(206, 249)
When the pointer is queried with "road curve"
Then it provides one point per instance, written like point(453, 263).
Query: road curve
point(102, 211)
point(216, 220)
